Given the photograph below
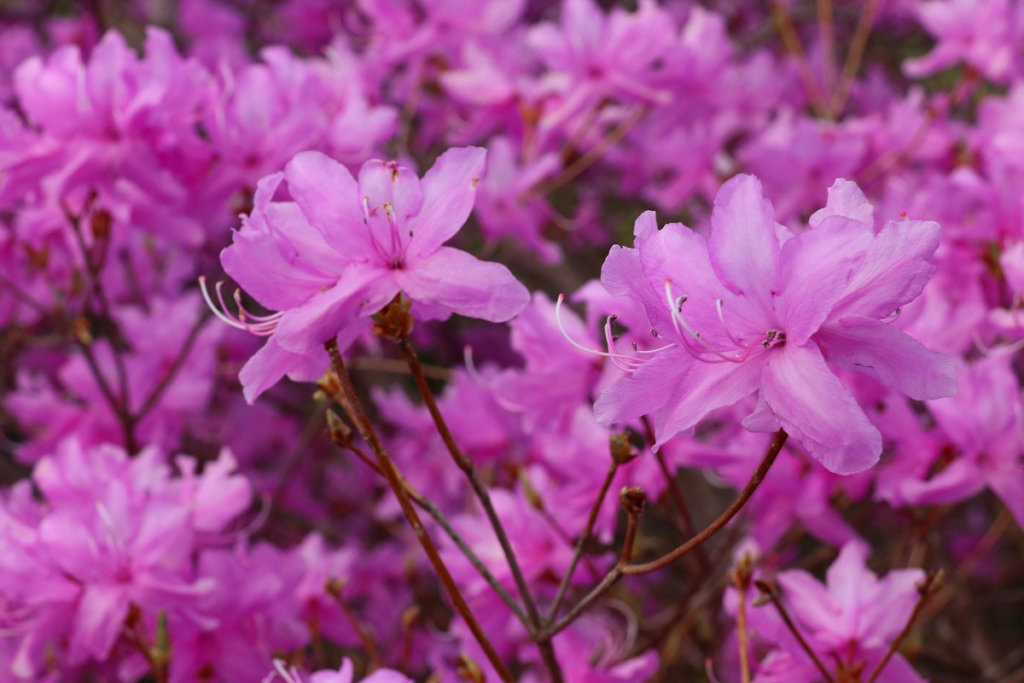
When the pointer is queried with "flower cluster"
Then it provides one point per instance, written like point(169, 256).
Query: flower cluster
point(367, 265)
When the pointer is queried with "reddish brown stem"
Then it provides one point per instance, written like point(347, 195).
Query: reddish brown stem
point(773, 451)
point(925, 590)
point(773, 595)
point(359, 418)
point(582, 541)
point(621, 569)
point(484, 497)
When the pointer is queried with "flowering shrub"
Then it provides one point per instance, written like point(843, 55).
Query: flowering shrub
point(326, 355)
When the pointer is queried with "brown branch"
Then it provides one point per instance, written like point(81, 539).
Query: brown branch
point(791, 40)
point(925, 590)
point(590, 158)
point(484, 497)
point(621, 569)
point(176, 367)
point(773, 451)
point(772, 594)
point(582, 541)
point(335, 588)
point(854, 55)
point(353, 406)
point(456, 537)
point(397, 366)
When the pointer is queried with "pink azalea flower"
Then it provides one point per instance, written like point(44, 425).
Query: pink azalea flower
point(984, 423)
point(985, 35)
point(592, 56)
point(754, 307)
point(342, 675)
point(848, 622)
point(342, 249)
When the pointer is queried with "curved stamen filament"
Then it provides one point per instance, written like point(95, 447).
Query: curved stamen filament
point(680, 324)
point(246, 315)
point(625, 363)
point(264, 326)
point(721, 319)
point(629, 363)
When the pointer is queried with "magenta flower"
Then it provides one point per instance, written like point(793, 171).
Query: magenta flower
point(848, 622)
point(755, 308)
point(342, 249)
point(345, 674)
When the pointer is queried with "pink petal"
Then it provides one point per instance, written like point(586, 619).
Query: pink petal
point(705, 387)
point(818, 411)
point(449, 190)
point(361, 291)
point(1008, 483)
point(816, 268)
point(328, 195)
point(743, 246)
point(895, 269)
point(387, 182)
point(846, 199)
point(459, 282)
point(265, 368)
point(648, 389)
point(959, 481)
point(100, 618)
point(809, 600)
point(895, 359)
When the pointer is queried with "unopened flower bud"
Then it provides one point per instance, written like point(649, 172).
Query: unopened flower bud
point(82, 330)
point(329, 384)
point(632, 499)
point(621, 448)
point(99, 224)
point(529, 492)
point(394, 321)
point(470, 670)
point(160, 653)
point(341, 433)
point(410, 616)
point(743, 572)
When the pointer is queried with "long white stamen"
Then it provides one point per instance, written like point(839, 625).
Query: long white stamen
point(244, 314)
point(217, 311)
point(581, 347)
point(264, 326)
point(677, 320)
point(624, 363)
point(721, 319)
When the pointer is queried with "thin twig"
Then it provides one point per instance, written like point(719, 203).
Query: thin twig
point(673, 490)
point(622, 569)
point(353, 406)
point(925, 590)
point(456, 537)
point(826, 28)
point(742, 636)
point(484, 497)
point(854, 55)
point(335, 588)
point(176, 367)
point(582, 541)
point(397, 366)
point(791, 40)
point(587, 160)
point(773, 451)
point(773, 595)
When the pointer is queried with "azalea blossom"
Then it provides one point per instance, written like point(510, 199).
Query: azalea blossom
point(756, 308)
point(341, 249)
